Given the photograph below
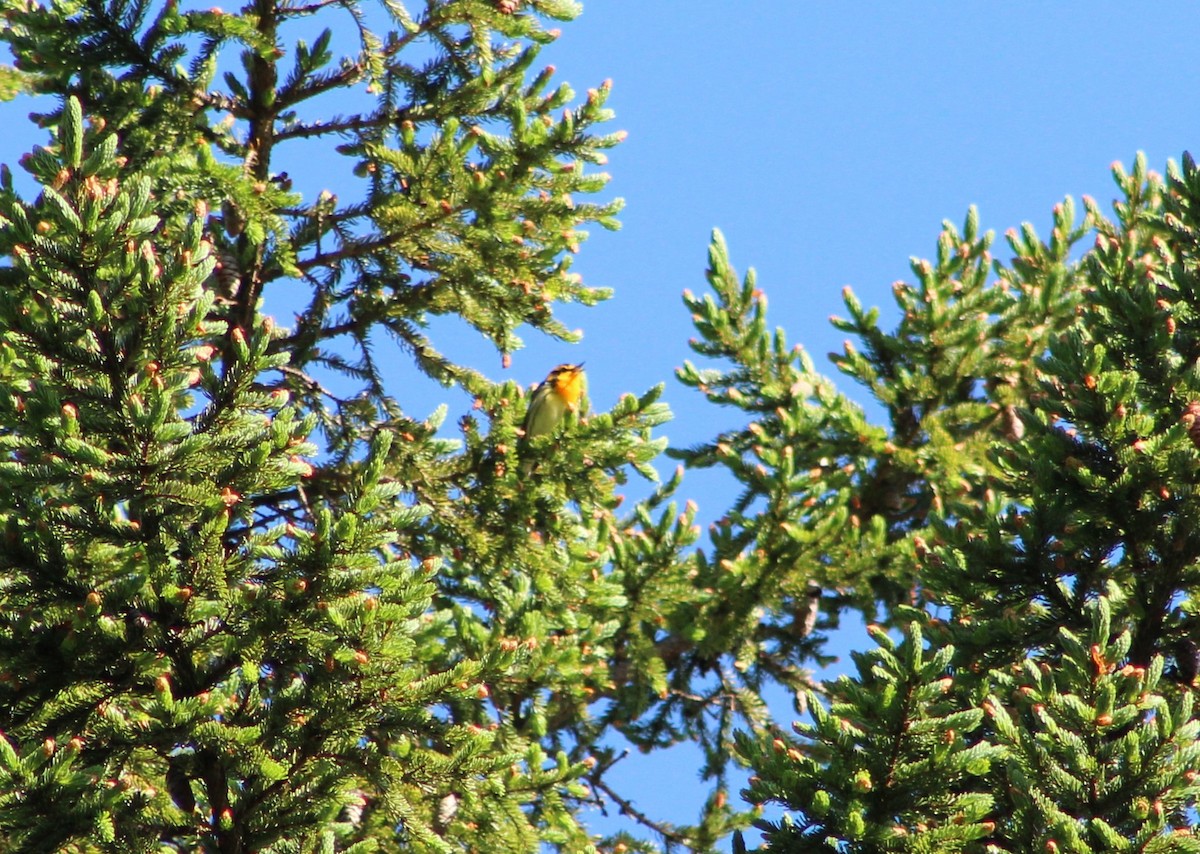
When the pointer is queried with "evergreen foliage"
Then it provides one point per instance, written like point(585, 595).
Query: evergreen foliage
point(1044, 436)
point(250, 601)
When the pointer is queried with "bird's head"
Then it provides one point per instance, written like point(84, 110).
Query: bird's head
point(568, 383)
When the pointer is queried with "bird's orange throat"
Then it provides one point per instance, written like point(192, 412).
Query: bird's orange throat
point(569, 385)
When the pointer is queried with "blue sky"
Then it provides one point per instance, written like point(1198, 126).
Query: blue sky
point(828, 142)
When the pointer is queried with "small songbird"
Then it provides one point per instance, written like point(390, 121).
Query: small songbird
point(557, 395)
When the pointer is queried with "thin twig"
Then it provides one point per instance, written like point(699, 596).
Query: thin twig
point(312, 383)
point(627, 808)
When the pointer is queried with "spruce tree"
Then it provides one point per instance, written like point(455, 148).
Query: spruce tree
point(1027, 519)
point(251, 602)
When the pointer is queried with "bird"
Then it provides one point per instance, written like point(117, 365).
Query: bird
point(554, 397)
